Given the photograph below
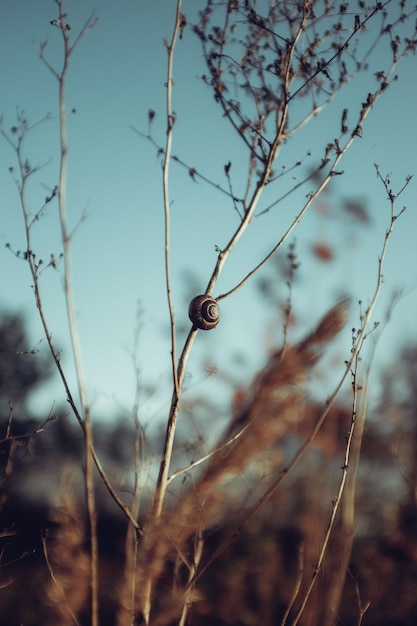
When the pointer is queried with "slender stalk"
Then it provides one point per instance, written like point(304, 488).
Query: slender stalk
point(193, 567)
point(340, 153)
point(170, 116)
point(177, 378)
point(163, 477)
point(223, 255)
point(263, 181)
point(35, 270)
point(68, 290)
point(346, 534)
point(127, 592)
point(162, 481)
point(335, 508)
point(355, 352)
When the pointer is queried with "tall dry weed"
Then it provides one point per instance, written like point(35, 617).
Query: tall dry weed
point(274, 401)
point(68, 561)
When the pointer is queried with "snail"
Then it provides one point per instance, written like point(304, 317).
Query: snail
point(204, 312)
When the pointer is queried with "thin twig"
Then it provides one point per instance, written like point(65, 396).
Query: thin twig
point(356, 350)
point(207, 456)
point(193, 171)
point(264, 178)
point(68, 290)
point(340, 152)
point(162, 481)
point(84, 418)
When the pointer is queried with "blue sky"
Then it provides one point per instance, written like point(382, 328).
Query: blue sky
point(116, 74)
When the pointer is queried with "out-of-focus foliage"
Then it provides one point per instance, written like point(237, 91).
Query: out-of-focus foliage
point(21, 367)
point(254, 579)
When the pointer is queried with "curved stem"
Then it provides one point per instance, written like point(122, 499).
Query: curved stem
point(355, 352)
point(263, 181)
point(170, 116)
point(162, 481)
point(68, 290)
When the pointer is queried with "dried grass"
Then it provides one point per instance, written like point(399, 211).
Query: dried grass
point(68, 561)
point(274, 400)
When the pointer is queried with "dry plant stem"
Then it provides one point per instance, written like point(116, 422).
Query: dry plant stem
point(169, 439)
point(9, 424)
point(289, 97)
point(335, 507)
point(359, 407)
point(162, 481)
point(207, 456)
point(273, 153)
point(165, 182)
point(176, 159)
point(362, 607)
point(30, 257)
point(198, 552)
point(125, 509)
point(68, 289)
point(139, 457)
point(263, 181)
point(359, 410)
point(311, 199)
point(222, 257)
point(269, 156)
point(29, 435)
point(236, 200)
point(355, 352)
point(56, 581)
point(224, 254)
point(34, 269)
point(66, 240)
point(126, 595)
point(351, 364)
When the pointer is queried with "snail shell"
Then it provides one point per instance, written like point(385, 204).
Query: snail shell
point(204, 312)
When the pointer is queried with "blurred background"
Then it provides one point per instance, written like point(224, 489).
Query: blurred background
point(117, 74)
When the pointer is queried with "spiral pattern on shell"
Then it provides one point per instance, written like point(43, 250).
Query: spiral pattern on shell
point(204, 312)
